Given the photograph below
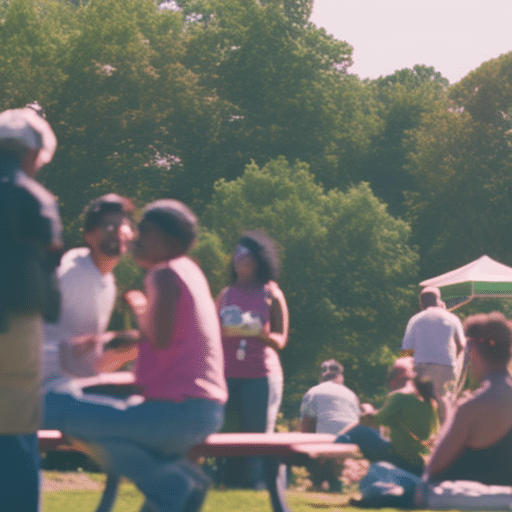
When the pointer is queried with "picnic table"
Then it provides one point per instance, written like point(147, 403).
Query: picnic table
point(291, 448)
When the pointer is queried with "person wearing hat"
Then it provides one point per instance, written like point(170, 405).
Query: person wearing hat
point(409, 412)
point(74, 344)
point(328, 408)
point(31, 232)
point(435, 338)
point(179, 372)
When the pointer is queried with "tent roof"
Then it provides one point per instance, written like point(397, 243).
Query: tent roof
point(483, 277)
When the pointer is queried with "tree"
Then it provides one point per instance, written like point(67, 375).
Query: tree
point(347, 269)
point(403, 99)
point(461, 161)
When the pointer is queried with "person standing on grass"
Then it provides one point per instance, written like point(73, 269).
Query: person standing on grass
point(31, 234)
point(434, 337)
point(254, 320)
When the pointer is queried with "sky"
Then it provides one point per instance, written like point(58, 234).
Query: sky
point(453, 36)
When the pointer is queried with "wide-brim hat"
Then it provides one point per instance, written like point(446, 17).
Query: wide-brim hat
point(27, 128)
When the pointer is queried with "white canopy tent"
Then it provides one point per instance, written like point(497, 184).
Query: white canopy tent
point(483, 277)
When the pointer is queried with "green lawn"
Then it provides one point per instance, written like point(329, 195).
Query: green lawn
point(130, 499)
point(65, 499)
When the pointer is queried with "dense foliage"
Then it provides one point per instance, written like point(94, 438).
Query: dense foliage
point(249, 113)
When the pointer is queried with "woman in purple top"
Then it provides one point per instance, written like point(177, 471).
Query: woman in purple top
point(254, 321)
point(179, 370)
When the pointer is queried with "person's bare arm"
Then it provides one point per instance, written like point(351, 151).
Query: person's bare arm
point(308, 424)
point(275, 332)
point(452, 440)
point(157, 318)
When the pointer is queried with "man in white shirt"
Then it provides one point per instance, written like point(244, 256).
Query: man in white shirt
point(88, 293)
point(435, 338)
point(328, 408)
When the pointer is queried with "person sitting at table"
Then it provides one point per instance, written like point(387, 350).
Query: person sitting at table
point(74, 344)
point(476, 442)
point(179, 369)
point(410, 414)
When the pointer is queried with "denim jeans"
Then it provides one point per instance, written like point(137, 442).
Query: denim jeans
point(375, 448)
point(255, 402)
point(19, 472)
point(142, 440)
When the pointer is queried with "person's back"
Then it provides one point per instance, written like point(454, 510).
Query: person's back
point(431, 334)
point(333, 405)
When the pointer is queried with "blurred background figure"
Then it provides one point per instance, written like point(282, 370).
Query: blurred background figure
point(410, 413)
point(254, 322)
point(328, 408)
point(435, 339)
point(476, 441)
point(31, 234)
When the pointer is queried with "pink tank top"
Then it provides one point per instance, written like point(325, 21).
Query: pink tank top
point(192, 364)
point(247, 357)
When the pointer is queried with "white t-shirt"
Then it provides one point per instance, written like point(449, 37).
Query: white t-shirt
point(431, 334)
point(333, 405)
point(87, 302)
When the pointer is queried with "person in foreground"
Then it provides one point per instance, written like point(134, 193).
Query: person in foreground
point(409, 412)
point(31, 234)
point(476, 442)
point(179, 368)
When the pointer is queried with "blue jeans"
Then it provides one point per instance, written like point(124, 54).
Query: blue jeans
point(375, 448)
point(144, 441)
point(255, 402)
point(19, 472)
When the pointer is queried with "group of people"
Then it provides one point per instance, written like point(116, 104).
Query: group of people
point(431, 432)
point(197, 358)
point(55, 310)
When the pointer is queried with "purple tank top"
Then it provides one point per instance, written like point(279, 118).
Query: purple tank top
point(192, 364)
point(247, 357)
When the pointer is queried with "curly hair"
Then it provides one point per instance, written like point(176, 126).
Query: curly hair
point(491, 335)
point(262, 248)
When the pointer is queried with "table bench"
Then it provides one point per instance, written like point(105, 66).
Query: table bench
point(292, 448)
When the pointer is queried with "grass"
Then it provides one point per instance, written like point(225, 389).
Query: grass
point(76, 499)
point(130, 499)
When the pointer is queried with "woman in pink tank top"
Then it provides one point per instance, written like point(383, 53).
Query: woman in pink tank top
point(179, 370)
point(254, 322)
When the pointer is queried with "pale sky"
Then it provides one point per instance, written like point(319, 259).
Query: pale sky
point(454, 36)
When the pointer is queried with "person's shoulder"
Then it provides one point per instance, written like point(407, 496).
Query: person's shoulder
point(34, 188)
point(75, 260)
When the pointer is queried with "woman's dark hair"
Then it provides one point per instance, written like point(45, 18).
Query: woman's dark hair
point(262, 247)
point(425, 388)
point(109, 203)
point(491, 335)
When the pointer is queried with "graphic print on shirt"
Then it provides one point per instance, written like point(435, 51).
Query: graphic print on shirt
point(241, 323)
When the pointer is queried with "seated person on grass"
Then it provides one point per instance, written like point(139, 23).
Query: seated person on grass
point(475, 443)
point(409, 413)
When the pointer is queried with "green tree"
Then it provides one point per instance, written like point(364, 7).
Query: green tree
point(347, 269)
point(461, 161)
point(403, 99)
